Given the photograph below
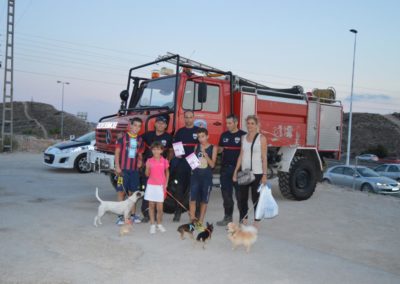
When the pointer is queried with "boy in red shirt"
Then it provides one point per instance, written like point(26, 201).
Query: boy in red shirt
point(128, 160)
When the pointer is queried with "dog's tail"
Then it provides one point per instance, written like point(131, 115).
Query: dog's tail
point(97, 195)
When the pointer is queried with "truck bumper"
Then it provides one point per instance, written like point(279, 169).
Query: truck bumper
point(101, 162)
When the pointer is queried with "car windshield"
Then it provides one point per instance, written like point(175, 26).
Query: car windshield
point(86, 138)
point(157, 93)
point(366, 172)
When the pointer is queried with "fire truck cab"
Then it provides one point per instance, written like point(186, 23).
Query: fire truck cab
point(301, 128)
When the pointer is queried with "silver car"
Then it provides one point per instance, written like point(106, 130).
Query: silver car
point(389, 170)
point(362, 178)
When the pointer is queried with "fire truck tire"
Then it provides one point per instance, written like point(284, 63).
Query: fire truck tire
point(300, 182)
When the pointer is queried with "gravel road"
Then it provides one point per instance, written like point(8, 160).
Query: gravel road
point(47, 236)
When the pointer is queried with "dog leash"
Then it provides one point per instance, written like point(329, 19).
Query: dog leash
point(177, 201)
point(248, 211)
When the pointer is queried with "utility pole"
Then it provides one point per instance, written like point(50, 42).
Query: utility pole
point(7, 121)
point(62, 107)
point(351, 99)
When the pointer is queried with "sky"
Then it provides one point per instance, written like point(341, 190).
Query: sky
point(92, 44)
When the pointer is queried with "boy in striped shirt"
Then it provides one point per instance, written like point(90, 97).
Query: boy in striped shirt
point(128, 160)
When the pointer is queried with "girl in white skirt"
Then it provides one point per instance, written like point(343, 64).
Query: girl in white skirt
point(158, 174)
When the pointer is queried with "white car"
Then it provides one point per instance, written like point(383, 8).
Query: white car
point(368, 157)
point(71, 154)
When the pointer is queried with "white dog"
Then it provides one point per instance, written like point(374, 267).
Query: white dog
point(120, 208)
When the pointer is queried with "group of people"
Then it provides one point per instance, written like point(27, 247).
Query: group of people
point(151, 154)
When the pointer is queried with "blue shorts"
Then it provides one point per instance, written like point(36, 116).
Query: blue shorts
point(200, 189)
point(128, 181)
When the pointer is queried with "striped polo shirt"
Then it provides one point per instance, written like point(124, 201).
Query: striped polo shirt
point(131, 147)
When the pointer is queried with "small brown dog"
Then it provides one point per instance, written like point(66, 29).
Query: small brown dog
point(242, 235)
point(125, 228)
point(189, 229)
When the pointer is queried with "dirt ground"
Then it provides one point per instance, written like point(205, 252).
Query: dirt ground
point(47, 236)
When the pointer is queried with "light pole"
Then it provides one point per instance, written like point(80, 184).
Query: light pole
point(351, 100)
point(62, 107)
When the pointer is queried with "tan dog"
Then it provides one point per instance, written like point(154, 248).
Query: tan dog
point(242, 235)
point(125, 228)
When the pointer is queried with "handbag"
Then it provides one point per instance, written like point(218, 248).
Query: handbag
point(246, 176)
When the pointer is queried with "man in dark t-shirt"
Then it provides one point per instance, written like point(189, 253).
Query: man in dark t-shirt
point(229, 145)
point(188, 136)
point(159, 135)
point(148, 138)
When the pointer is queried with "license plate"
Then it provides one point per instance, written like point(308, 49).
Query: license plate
point(46, 158)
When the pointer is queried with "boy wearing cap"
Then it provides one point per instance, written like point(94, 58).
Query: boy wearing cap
point(160, 135)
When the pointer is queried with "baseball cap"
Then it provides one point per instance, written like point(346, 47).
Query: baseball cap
point(161, 118)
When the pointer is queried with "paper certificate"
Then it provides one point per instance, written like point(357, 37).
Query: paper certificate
point(193, 161)
point(178, 149)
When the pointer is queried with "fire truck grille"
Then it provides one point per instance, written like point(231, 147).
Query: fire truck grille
point(106, 138)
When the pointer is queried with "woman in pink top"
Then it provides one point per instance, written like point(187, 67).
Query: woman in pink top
point(158, 174)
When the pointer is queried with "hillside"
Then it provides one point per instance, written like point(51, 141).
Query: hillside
point(370, 130)
point(44, 121)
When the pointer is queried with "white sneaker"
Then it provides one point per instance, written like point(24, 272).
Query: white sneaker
point(161, 228)
point(152, 229)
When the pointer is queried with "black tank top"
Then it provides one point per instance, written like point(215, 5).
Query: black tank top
point(204, 168)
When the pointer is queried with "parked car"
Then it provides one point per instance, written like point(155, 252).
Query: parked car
point(389, 170)
point(70, 154)
point(368, 157)
point(363, 178)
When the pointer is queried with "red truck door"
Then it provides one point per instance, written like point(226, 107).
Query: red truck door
point(208, 114)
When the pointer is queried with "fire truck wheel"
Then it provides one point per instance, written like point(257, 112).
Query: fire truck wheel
point(300, 182)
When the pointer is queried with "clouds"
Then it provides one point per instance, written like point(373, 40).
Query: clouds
point(372, 103)
point(369, 98)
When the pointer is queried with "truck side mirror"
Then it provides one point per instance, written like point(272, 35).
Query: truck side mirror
point(202, 94)
point(124, 95)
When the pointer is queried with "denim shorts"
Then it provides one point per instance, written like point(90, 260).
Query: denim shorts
point(130, 181)
point(200, 189)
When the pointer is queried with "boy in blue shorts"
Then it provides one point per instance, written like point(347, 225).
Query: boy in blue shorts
point(128, 160)
point(201, 180)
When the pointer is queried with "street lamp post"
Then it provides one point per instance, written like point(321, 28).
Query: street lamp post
point(351, 100)
point(62, 107)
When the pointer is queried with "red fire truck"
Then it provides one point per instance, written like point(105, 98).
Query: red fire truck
point(301, 128)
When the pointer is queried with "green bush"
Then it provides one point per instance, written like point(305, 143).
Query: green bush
point(27, 132)
point(7, 140)
point(54, 131)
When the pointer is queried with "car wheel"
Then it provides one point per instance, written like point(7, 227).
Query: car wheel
point(367, 188)
point(82, 165)
point(326, 181)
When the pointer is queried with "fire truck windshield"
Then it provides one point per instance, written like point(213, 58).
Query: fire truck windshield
point(157, 93)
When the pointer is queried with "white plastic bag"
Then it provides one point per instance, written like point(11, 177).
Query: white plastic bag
point(266, 206)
